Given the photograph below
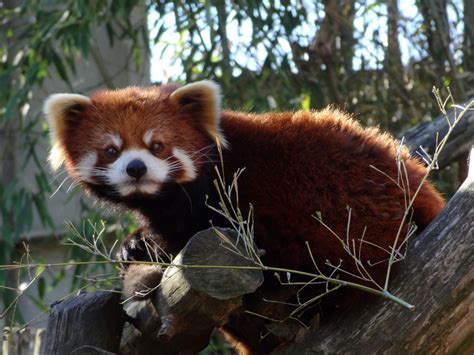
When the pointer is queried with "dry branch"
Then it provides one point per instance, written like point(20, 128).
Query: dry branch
point(460, 141)
point(437, 276)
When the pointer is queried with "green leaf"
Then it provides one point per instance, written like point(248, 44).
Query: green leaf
point(42, 210)
point(59, 65)
point(58, 277)
point(40, 269)
point(306, 102)
point(41, 288)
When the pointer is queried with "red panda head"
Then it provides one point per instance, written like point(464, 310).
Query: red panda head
point(132, 141)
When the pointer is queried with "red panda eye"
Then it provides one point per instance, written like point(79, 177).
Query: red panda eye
point(156, 147)
point(111, 152)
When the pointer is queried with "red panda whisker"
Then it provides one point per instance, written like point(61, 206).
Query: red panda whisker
point(187, 195)
point(59, 174)
point(194, 157)
point(73, 184)
point(174, 169)
point(209, 147)
point(175, 163)
point(169, 158)
point(201, 154)
point(211, 161)
point(99, 171)
point(91, 172)
point(55, 180)
point(59, 187)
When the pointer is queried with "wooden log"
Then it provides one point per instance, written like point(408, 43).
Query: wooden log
point(437, 277)
point(191, 302)
point(85, 323)
point(459, 144)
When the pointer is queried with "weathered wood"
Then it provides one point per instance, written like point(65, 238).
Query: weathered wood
point(88, 319)
point(437, 277)
point(459, 144)
point(90, 350)
point(191, 302)
point(141, 336)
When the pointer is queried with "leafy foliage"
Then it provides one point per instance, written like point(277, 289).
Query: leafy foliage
point(300, 54)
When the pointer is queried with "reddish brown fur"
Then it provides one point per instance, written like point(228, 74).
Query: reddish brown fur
point(296, 164)
point(300, 163)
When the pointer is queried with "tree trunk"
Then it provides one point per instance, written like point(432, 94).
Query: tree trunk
point(437, 277)
point(468, 36)
point(347, 41)
point(399, 100)
point(436, 28)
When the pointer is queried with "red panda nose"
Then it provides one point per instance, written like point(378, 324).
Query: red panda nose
point(136, 168)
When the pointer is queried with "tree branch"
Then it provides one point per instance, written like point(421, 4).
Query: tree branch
point(459, 144)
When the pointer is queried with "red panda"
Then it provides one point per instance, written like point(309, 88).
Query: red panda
point(153, 151)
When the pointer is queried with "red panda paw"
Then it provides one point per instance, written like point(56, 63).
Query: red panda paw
point(139, 246)
point(141, 280)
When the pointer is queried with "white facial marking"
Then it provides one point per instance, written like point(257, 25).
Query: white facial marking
point(157, 173)
point(116, 140)
point(55, 109)
point(147, 137)
point(56, 156)
point(187, 163)
point(85, 167)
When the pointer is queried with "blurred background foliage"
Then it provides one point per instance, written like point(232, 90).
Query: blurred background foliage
point(376, 59)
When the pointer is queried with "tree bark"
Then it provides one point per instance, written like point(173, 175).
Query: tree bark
point(437, 276)
point(323, 44)
point(468, 40)
point(88, 323)
point(436, 28)
point(394, 68)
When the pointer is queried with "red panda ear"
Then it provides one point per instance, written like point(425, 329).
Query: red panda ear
point(62, 110)
point(203, 100)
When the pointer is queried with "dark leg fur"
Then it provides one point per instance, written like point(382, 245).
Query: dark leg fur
point(140, 280)
point(141, 245)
